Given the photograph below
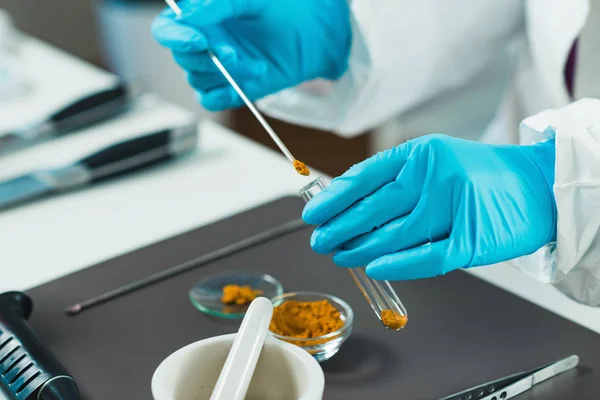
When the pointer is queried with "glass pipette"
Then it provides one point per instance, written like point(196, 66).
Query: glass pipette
point(381, 296)
point(298, 165)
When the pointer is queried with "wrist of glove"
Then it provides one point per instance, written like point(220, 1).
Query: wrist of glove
point(436, 204)
point(266, 45)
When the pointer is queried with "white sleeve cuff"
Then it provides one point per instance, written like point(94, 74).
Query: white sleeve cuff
point(572, 262)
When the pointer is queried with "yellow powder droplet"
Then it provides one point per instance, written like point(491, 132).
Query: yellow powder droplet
point(393, 320)
point(301, 168)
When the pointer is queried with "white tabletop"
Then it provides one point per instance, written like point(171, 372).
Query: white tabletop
point(57, 236)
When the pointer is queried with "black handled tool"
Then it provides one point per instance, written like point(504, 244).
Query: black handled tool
point(28, 370)
point(118, 159)
point(91, 109)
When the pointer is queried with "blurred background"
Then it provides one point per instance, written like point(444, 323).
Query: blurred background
point(115, 35)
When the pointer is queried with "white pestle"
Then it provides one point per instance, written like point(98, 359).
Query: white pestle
point(237, 372)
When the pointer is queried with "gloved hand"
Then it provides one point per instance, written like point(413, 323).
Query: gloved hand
point(266, 45)
point(436, 204)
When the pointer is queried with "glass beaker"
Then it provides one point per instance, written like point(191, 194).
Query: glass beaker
point(381, 296)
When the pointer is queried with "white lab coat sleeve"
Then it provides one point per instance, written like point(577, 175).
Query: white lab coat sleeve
point(571, 264)
point(403, 53)
point(323, 104)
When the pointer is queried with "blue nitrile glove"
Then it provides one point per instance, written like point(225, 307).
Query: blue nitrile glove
point(436, 204)
point(266, 45)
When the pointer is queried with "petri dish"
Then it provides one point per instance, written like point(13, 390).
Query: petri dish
point(206, 294)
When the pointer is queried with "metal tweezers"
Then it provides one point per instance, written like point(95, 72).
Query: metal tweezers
point(512, 386)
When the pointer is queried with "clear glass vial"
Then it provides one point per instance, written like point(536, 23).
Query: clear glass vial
point(381, 296)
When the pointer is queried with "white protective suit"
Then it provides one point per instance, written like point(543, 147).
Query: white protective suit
point(487, 70)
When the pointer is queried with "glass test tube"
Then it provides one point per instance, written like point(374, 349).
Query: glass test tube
point(381, 296)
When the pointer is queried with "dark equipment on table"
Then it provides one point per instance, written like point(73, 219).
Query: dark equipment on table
point(86, 111)
point(28, 370)
point(122, 157)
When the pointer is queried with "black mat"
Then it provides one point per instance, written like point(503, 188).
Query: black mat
point(461, 332)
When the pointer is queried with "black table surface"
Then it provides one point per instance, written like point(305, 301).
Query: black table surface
point(461, 332)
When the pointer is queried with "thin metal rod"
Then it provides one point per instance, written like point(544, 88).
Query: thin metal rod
point(252, 108)
point(177, 10)
point(223, 252)
point(174, 6)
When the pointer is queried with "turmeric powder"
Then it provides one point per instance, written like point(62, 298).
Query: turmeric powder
point(239, 295)
point(301, 168)
point(306, 320)
point(393, 320)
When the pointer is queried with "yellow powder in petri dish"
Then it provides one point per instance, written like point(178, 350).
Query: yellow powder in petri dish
point(301, 168)
point(393, 319)
point(239, 295)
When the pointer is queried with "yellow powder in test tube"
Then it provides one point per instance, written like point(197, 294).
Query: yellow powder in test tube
point(393, 319)
point(301, 168)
